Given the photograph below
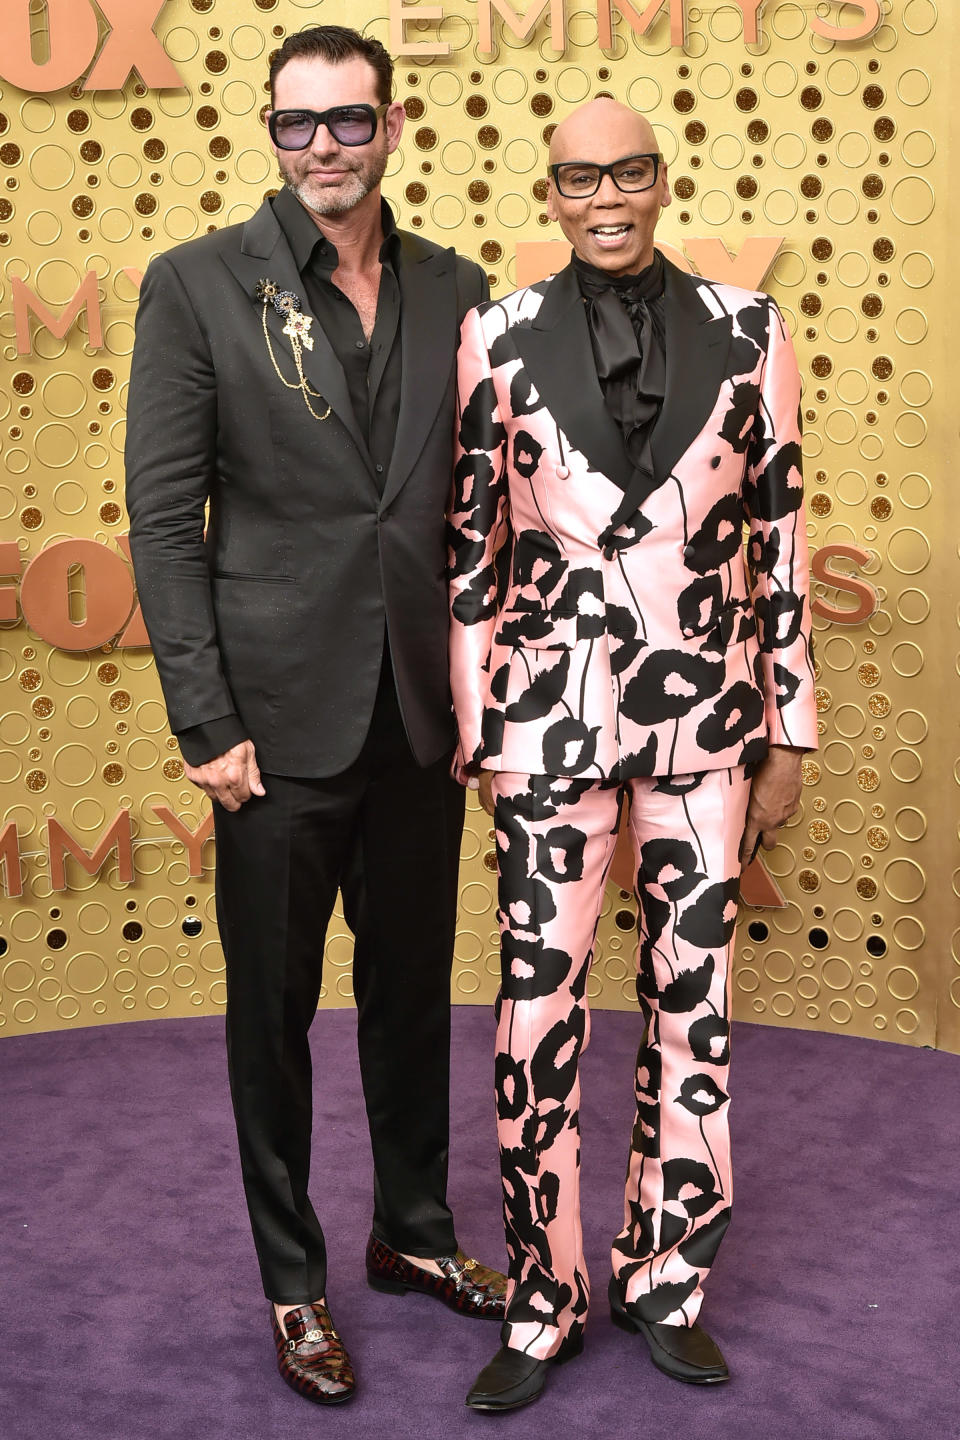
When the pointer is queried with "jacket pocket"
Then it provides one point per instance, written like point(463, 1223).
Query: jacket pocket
point(537, 630)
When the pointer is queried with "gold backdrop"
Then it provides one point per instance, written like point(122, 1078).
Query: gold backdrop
point(835, 148)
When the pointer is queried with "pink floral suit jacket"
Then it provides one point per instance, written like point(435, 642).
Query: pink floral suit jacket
point(653, 645)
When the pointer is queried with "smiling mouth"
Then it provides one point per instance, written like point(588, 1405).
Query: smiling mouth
point(610, 232)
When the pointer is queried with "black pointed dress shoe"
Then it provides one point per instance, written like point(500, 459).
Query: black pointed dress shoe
point(311, 1357)
point(513, 1379)
point(465, 1285)
point(684, 1352)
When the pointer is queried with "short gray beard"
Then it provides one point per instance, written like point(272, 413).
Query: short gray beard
point(356, 188)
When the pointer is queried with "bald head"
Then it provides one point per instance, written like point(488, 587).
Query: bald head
point(602, 130)
point(608, 195)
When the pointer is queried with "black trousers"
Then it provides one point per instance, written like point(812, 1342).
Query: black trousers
point(388, 834)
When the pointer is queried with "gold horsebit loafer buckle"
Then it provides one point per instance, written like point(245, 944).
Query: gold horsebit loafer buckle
point(312, 1337)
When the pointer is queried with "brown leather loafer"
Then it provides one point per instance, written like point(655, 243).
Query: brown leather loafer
point(684, 1352)
point(311, 1357)
point(465, 1285)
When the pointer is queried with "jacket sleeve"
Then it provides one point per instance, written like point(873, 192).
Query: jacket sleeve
point(200, 743)
point(478, 525)
point(171, 471)
point(778, 561)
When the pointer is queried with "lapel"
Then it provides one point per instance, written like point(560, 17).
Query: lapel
point(265, 254)
point(428, 330)
point(558, 356)
point(697, 349)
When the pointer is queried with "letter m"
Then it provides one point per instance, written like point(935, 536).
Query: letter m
point(640, 24)
point(87, 297)
point(10, 858)
point(522, 26)
point(118, 834)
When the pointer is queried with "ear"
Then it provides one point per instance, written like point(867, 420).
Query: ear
point(393, 124)
point(269, 136)
point(666, 194)
point(552, 200)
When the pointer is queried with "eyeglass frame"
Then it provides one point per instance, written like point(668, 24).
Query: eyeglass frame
point(654, 155)
point(320, 117)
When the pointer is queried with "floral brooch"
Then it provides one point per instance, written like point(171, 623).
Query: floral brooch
point(287, 305)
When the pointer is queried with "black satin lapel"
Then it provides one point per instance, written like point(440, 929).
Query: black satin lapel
point(697, 350)
point(265, 254)
point(428, 337)
point(558, 357)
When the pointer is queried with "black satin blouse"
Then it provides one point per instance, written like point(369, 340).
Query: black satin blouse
point(625, 317)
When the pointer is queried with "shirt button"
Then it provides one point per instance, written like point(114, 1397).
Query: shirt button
point(563, 473)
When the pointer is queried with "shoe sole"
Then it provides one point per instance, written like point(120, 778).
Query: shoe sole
point(626, 1322)
point(318, 1399)
point(397, 1287)
point(387, 1287)
point(504, 1409)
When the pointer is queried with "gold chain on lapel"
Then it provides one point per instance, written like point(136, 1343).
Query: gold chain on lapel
point(287, 305)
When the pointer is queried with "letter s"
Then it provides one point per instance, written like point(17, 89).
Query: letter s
point(871, 22)
point(862, 590)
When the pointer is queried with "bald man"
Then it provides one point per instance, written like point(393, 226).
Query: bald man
point(620, 425)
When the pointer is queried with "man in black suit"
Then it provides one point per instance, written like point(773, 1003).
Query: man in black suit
point(296, 374)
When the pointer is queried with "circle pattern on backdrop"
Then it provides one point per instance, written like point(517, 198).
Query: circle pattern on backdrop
point(833, 146)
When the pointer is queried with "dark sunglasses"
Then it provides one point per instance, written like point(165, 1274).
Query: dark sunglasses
point(578, 180)
point(348, 124)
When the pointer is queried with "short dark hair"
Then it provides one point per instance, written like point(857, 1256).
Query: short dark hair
point(335, 43)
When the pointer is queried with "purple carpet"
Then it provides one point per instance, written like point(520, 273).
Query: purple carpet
point(131, 1302)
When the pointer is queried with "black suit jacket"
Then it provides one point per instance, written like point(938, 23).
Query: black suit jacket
point(277, 613)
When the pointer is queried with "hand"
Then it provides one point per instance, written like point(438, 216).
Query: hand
point(474, 778)
point(466, 774)
point(774, 797)
point(230, 778)
point(485, 787)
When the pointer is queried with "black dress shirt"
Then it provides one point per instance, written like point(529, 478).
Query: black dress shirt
point(373, 372)
point(372, 368)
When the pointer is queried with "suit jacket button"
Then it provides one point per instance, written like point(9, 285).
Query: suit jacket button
point(563, 472)
point(688, 552)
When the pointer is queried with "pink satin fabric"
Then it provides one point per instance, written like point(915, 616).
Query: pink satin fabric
point(548, 1282)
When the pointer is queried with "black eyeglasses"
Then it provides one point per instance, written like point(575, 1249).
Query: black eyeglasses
point(348, 124)
point(579, 179)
